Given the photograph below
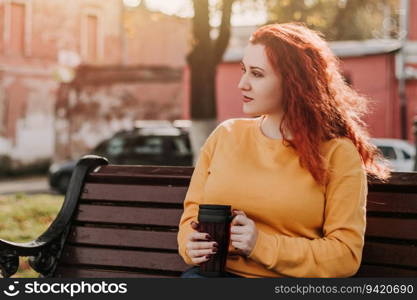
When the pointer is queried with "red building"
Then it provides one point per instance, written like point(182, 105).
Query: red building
point(41, 44)
point(37, 37)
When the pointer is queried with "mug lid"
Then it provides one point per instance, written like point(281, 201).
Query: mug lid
point(214, 210)
point(215, 206)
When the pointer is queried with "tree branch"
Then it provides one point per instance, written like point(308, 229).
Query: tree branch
point(224, 35)
point(201, 28)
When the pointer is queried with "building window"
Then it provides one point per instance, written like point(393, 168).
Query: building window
point(91, 39)
point(16, 23)
point(17, 34)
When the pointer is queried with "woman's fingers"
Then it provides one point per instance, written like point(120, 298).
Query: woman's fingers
point(237, 229)
point(199, 253)
point(200, 260)
point(238, 212)
point(238, 245)
point(202, 245)
point(195, 225)
point(237, 238)
point(240, 220)
point(201, 248)
point(200, 236)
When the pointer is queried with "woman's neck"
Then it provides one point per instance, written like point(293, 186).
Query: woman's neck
point(270, 126)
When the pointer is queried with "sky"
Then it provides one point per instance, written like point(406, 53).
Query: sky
point(183, 8)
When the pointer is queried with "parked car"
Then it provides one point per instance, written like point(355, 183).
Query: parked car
point(150, 143)
point(400, 153)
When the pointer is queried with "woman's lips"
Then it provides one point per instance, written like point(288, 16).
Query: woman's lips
point(247, 99)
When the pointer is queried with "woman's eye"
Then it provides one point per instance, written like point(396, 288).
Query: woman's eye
point(255, 74)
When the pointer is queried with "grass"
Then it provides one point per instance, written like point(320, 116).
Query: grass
point(24, 217)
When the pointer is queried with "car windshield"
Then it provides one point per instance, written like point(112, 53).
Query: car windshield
point(116, 146)
point(147, 145)
point(179, 146)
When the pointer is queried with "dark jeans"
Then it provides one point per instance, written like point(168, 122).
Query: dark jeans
point(193, 272)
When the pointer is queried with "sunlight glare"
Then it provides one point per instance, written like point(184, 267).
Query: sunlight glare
point(172, 7)
point(131, 3)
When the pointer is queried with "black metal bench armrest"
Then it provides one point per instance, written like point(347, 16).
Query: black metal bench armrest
point(46, 249)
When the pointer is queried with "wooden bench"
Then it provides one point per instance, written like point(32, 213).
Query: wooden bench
point(122, 221)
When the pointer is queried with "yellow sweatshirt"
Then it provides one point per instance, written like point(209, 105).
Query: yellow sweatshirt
point(304, 230)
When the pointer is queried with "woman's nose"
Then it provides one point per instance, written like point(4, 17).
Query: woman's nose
point(243, 84)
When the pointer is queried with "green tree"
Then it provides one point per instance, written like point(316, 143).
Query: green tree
point(340, 19)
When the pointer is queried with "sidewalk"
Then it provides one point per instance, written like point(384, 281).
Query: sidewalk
point(28, 185)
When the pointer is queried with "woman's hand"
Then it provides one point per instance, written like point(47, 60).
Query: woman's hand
point(200, 246)
point(243, 233)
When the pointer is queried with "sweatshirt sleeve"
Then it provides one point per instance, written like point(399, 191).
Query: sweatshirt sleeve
point(194, 194)
point(339, 252)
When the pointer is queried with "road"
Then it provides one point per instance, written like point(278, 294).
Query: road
point(29, 185)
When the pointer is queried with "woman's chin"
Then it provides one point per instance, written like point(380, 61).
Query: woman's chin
point(251, 112)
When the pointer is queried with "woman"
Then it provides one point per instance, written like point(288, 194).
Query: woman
point(297, 175)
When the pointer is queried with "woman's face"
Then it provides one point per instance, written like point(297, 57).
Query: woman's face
point(260, 85)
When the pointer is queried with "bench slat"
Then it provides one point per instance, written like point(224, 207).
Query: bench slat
point(380, 271)
point(129, 215)
point(134, 193)
point(150, 171)
point(123, 238)
point(392, 202)
point(122, 258)
point(64, 271)
point(399, 179)
point(377, 201)
point(376, 227)
point(390, 254)
point(392, 228)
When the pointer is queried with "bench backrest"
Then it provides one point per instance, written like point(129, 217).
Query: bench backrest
point(127, 222)
point(391, 233)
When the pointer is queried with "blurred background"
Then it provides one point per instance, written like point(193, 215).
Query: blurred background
point(145, 82)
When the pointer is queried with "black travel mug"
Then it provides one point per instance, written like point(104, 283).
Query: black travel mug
point(215, 220)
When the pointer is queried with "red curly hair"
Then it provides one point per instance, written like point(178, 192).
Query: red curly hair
point(315, 96)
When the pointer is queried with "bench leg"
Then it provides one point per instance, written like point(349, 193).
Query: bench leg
point(9, 263)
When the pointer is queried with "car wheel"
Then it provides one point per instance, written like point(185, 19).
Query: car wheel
point(63, 182)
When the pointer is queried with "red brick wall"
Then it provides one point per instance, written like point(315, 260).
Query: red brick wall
point(412, 35)
point(156, 39)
